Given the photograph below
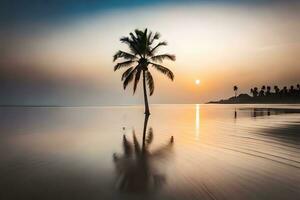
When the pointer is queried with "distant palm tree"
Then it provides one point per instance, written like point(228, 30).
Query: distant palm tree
point(143, 48)
point(255, 92)
point(235, 89)
point(276, 88)
point(262, 91)
point(292, 90)
point(136, 166)
point(268, 93)
point(284, 90)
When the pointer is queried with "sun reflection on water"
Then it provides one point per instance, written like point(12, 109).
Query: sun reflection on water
point(197, 122)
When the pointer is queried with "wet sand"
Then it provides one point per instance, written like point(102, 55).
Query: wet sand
point(217, 152)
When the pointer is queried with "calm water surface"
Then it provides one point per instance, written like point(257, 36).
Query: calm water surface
point(216, 152)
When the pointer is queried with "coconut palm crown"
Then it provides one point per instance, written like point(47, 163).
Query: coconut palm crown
point(143, 46)
point(235, 89)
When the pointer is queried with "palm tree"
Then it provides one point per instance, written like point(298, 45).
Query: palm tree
point(292, 90)
point(268, 93)
point(276, 88)
point(235, 89)
point(143, 46)
point(255, 92)
point(285, 90)
point(262, 91)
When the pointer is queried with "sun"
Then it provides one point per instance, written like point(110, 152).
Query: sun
point(197, 82)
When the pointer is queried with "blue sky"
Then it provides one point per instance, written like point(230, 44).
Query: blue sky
point(36, 10)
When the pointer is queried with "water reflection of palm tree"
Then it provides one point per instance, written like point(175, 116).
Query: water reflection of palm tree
point(135, 168)
point(235, 113)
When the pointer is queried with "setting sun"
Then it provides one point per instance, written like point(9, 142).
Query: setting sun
point(197, 82)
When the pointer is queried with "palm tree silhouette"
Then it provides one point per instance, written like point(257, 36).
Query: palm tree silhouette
point(285, 90)
point(289, 94)
point(291, 90)
point(252, 92)
point(276, 88)
point(268, 93)
point(262, 91)
point(255, 92)
point(235, 89)
point(143, 48)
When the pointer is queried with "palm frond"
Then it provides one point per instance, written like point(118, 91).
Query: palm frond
point(123, 64)
point(133, 38)
point(125, 74)
point(149, 136)
point(129, 78)
point(127, 146)
point(125, 55)
point(137, 146)
point(136, 80)
point(150, 82)
point(125, 40)
point(152, 51)
point(138, 33)
point(156, 36)
point(141, 42)
point(161, 57)
point(131, 44)
point(163, 70)
point(149, 38)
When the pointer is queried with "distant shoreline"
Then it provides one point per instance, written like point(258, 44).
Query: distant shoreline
point(90, 106)
point(220, 102)
point(246, 99)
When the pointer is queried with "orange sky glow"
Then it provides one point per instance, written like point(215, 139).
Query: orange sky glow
point(221, 45)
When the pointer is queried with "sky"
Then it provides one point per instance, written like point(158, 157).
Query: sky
point(60, 52)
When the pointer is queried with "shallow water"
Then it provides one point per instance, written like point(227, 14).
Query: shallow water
point(217, 152)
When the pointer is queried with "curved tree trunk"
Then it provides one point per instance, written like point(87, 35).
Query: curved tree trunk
point(147, 112)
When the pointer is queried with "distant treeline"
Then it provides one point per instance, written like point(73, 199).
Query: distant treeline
point(266, 94)
point(285, 92)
